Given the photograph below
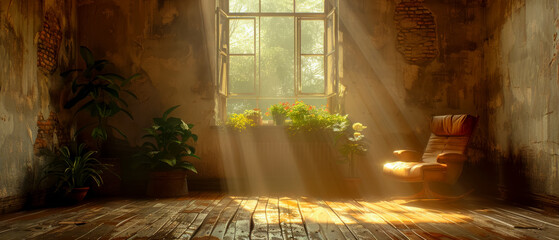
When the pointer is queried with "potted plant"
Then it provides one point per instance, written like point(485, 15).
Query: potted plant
point(165, 155)
point(73, 170)
point(98, 92)
point(239, 122)
point(279, 112)
point(255, 115)
point(101, 94)
point(307, 118)
point(353, 144)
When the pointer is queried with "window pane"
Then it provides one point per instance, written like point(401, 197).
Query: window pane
point(277, 56)
point(312, 74)
point(241, 79)
point(237, 6)
point(277, 5)
point(314, 6)
point(241, 32)
point(239, 105)
point(312, 37)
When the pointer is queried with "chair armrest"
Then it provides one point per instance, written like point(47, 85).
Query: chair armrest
point(451, 158)
point(407, 155)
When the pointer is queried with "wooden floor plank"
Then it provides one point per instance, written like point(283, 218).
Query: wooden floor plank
point(291, 221)
point(84, 223)
point(209, 222)
point(450, 227)
point(346, 232)
point(198, 217)
point(220, 216)
point(260, 223)
point(243, 219)
point(273, 219)
point(316, 215)
point(373, 222)
point(185, 217)
point(226, 217)
point(343, 212)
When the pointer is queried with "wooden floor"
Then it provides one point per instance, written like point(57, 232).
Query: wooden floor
point(219, 216)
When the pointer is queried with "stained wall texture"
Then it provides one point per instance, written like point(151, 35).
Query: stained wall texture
point(521, 72)
point(28, 96)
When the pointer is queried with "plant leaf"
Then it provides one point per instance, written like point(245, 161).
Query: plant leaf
point(87, 56)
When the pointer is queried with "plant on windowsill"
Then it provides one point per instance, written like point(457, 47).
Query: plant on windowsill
point(239, 122)
point(307, 118)
point(255, 115)
point(73, 169)
point(279, 112)
point(165, 155)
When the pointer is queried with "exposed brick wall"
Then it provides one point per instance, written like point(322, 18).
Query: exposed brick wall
point(49, 43)
point(416, 32)
point(50, 133)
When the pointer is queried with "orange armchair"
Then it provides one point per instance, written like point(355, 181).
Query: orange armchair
point(442, 160)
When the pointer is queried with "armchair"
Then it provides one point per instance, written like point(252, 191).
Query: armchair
point(442, 160)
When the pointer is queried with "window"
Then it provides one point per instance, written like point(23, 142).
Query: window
point(275, 50)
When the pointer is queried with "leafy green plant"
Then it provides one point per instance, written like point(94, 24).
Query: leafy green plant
point(74, 168)
point(279, 112)
point(308, 118)
point(99, 92)
point(169, 145)
point(239, 121)
point(354, 144)
point(254, 114)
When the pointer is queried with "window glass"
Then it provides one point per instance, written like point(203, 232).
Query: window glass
point(277, 5)
point(311, 6)
point(241, 6)
point(241, 36)
point(241, 78)
point(239, 105)
point(312, 37)
point(277, 56)
point(312, 74)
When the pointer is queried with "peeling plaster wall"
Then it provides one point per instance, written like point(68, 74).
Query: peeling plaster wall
point(26, 93)
point(521, 60)
point(165, 41)
point(396, 97)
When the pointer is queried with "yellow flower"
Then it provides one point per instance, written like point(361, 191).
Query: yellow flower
point(358, 127)
point(356, 135)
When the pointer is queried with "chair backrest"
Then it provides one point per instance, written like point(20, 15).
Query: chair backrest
point(449, 134)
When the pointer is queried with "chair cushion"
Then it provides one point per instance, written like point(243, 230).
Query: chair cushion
point(411, 171)
point(453, 125)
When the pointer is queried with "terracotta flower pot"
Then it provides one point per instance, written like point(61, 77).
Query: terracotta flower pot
point(167, 183)
point(77, 194)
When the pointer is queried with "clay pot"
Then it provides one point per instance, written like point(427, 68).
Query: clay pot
point(77, 194)
point(167, 183)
